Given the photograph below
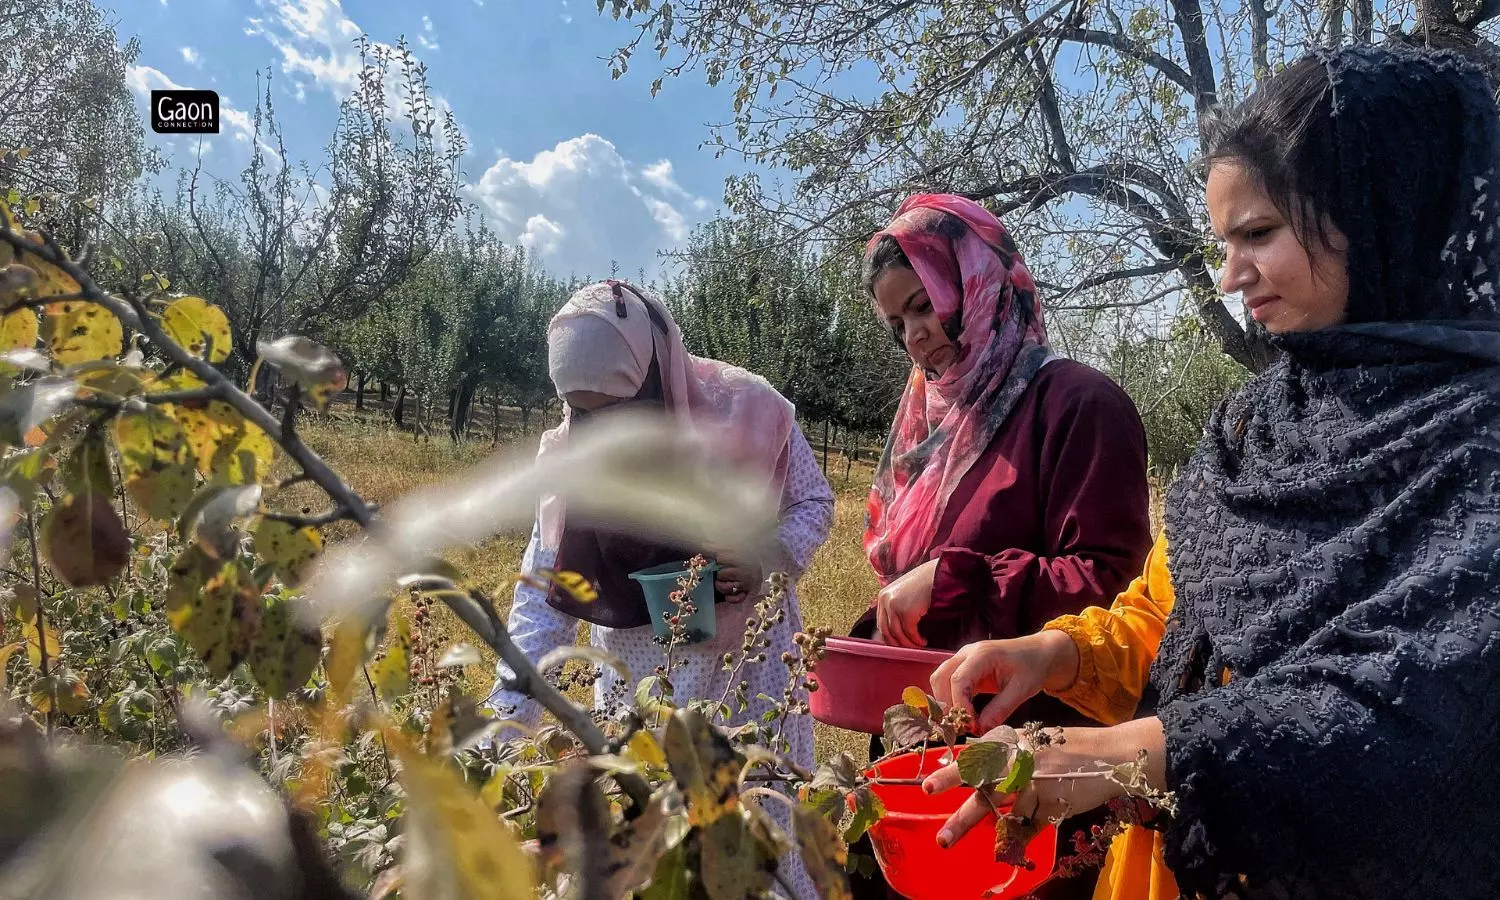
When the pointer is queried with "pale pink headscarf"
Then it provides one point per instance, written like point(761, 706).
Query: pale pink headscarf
point(754, 420)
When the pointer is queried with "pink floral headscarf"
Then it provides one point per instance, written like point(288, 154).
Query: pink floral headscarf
point(983, 294)
point(754, 421)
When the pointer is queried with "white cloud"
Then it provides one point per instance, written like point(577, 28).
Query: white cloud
point(315, 38)
point(191, 57)
point(426, 38)
point(580, 205)
point(542, 235)
point(660, 175)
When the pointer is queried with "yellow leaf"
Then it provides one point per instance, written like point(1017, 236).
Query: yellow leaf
point(198, 327)
point(22, 153)
point(704, 766)
point(155, 462)
point(228, 448)
point(6, 653)
point(18, 331)
point(823, 853)
point(287, 548)
point(346, 652)
point(577, 587)
point(77, 331)
point(215, 606)
point(458, 849)
point(35, 640)
point(644, 749)
point(392, 672)
point(916, 698)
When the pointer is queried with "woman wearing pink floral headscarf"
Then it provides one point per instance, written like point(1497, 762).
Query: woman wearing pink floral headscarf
point(1013, 484)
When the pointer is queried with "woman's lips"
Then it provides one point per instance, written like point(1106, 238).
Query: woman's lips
point(1257, 304)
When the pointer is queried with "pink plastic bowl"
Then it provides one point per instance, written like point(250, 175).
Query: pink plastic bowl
point(906, 847)
point(859, 680)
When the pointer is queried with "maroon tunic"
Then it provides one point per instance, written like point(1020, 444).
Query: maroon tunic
point(1052, 518)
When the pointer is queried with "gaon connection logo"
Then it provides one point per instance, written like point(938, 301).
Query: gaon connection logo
point(185, 112)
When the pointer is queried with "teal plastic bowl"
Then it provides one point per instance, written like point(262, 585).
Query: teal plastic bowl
point(658, 584)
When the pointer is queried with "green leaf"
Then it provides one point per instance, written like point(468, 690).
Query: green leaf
point(868, 809)
point(672, 879)
point(198, 327)
point(87, 468)
point(83, 541)
point(983, 763)
point(155, 462)
point(287, 645)
point(1020, 773)
point(726, 858)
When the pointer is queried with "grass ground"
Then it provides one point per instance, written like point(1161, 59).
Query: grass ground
point(382, 463)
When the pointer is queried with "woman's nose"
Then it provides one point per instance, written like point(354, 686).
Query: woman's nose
point(1239, 272)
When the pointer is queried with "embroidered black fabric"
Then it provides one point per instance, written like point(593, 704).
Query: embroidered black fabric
point(1329, 681)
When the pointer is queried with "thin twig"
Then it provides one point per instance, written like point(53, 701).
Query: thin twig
point(41, 617)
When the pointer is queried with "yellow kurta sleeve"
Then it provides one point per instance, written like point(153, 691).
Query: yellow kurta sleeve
point(1115, 650)
point(1116, 645)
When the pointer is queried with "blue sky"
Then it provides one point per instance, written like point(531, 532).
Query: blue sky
point(580, 168)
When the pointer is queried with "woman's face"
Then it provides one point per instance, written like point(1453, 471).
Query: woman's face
point(1285, 286)
point(902, 301)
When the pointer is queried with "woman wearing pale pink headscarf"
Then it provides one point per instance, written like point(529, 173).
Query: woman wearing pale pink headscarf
point(612, 346)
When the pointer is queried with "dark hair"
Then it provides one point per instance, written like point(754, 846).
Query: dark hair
point(887, 253)
point(1392, 147)
point(885, 256)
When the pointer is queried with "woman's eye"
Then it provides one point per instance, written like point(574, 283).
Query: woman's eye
point(1256, 234)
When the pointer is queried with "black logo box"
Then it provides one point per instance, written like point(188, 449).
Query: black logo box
point(185, 112)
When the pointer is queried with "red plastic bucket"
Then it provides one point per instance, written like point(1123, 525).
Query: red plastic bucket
point(906, 847)
point(859, 680)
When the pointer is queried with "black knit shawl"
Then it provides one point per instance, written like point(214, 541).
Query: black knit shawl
point(1329, 680)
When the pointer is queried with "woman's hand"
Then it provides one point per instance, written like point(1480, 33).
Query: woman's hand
point(900, 606)
point(739, 580)
point(1068, 778)
point(1014, 671)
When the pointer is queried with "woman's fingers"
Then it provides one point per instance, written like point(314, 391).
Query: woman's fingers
point(943, 779)
point(975, 810)
point(941, 681)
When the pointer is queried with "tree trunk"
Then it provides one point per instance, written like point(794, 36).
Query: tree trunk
point(461, 408)
point(525, 418)
point(825, 448)
point(398, 407)
point(495, 418)
point(359, 391)
point(385, 391)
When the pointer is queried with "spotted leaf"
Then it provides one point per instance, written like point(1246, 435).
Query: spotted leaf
point(155, 462)
point(198, 327)
point(289, 549)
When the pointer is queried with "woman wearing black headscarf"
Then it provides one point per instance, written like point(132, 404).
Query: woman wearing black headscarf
point(1310, 660)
